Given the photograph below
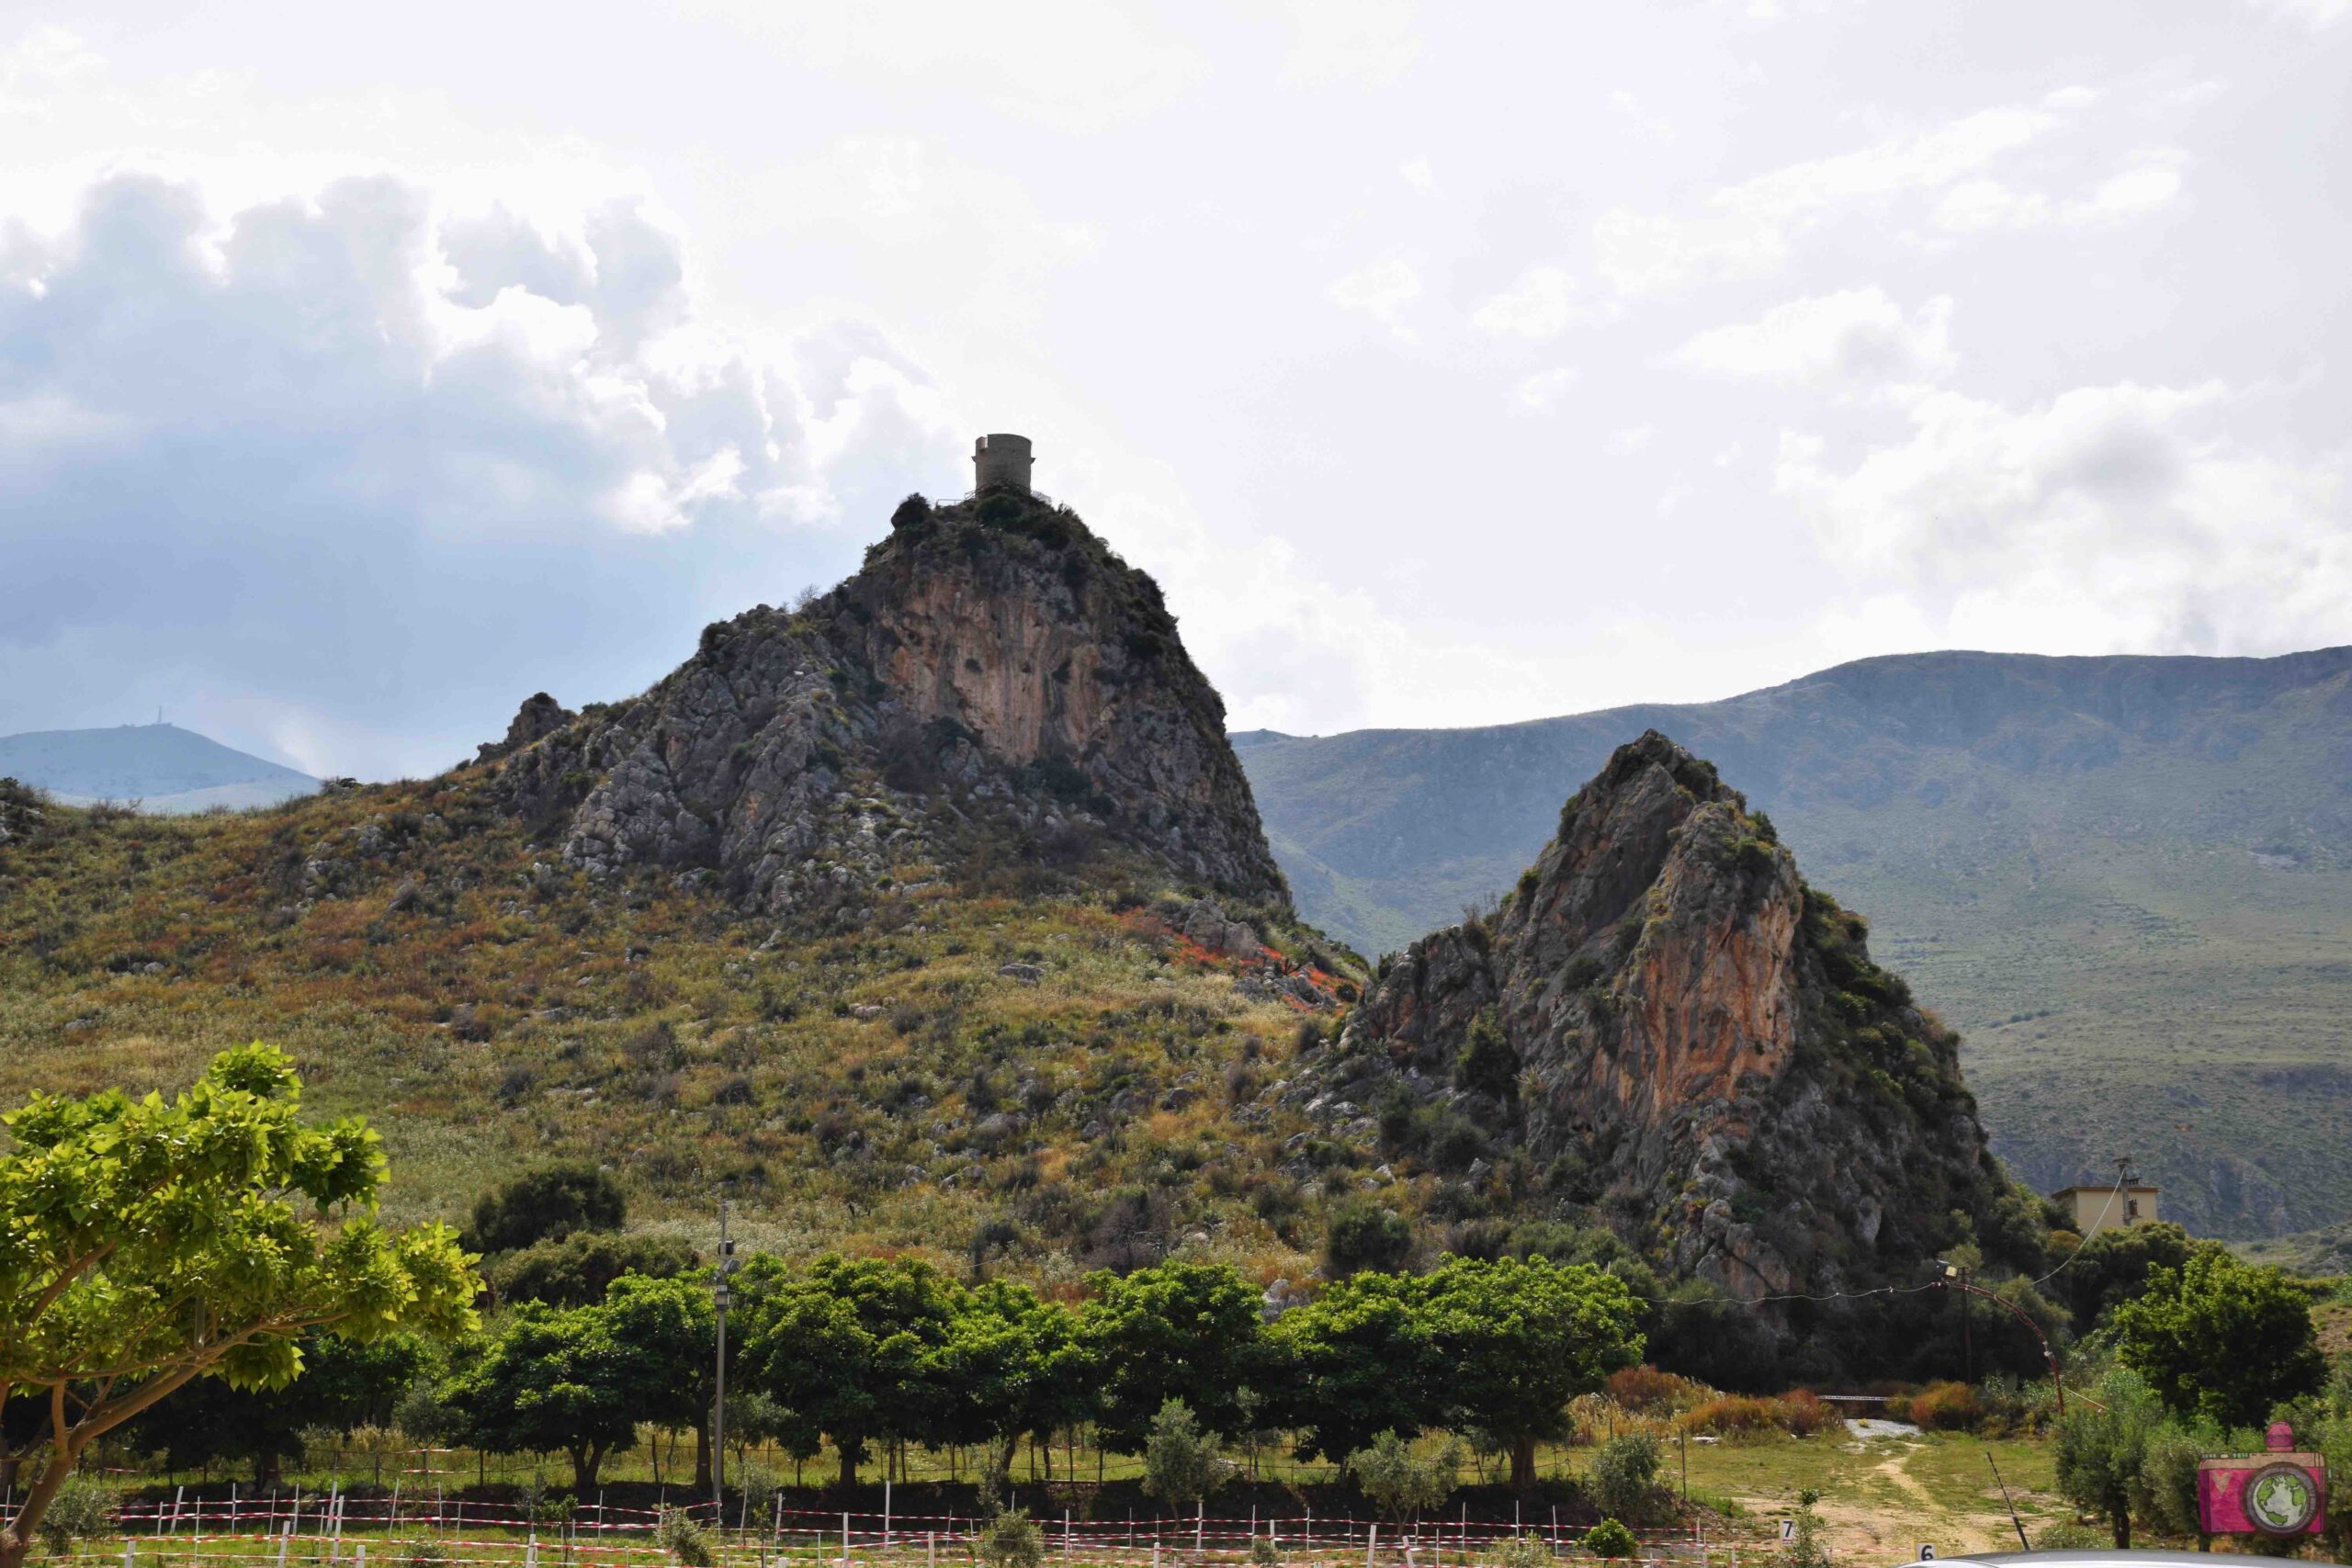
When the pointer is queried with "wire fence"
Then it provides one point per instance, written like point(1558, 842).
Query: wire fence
point(299, 1531)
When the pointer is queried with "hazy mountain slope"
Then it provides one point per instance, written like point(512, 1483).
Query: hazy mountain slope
point(161, 766)
point(2128, 881)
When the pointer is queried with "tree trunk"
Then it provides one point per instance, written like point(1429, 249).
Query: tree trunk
point(1522, 1466)
point(702, 1458)
point(852, 1448)
point(585, 1463)
point(2121, 1519)
point(63, 1456)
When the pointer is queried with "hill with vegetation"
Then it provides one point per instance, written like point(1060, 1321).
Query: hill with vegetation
point(934, 915)
point(158, 767)
point(2125, 880)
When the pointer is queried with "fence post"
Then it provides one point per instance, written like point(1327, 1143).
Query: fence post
point(930, 1549)
point(1200, 1528)
point(1371, 1543)
point(130, 1557)
point(844, 1540)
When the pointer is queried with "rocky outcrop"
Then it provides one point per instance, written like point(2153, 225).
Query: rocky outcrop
point(541, 716)
point(994, 687)
point(1678, 1031)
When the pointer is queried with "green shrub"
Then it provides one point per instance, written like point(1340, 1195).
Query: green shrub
point(684, 1537)
point(424, 1553)
point(1012, 1540)
point(1181, 1462)
point(1609, 1538)
point(1263, 1553)
point(82, 1510)
point(1623, 1474)
point(1399, 1482)
point(1362, 1234)
point(2070, 1535)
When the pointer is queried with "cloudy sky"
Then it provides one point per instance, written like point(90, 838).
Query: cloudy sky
point(363, 370)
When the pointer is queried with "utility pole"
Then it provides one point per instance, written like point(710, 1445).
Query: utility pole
point(722, 1296)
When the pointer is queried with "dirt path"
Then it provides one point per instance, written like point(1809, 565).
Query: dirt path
point(1891, 1525)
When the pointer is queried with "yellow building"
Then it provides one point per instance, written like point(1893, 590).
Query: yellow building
point(2107, 1208)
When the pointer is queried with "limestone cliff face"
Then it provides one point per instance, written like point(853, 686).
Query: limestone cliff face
point(1699, 1044)
point(994, 685)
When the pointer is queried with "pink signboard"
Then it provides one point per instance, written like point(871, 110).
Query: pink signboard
point(2278, 1493)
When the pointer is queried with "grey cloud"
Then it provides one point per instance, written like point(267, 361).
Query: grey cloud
point(350, 482)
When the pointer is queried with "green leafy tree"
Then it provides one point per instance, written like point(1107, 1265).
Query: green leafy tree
point(1355, 1362)
point(2111, 1267)
point(671, 1327)
point(567, 1379)
point(1180, 1463)
point(1364, 1234)
point(577, 1270)
point(2222, 1338)
point(551, 1203)
point(1401, 1481)
point(1014, 1364)
point(1519, 1339)
point(2101, 1452)
point(1186, 1331)
point(146, 1244)
point(857, 1349)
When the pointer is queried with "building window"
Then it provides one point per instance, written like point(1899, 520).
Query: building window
point(2131, 1210)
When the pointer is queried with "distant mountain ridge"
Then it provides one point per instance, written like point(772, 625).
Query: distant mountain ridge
point(2128, 880)
point(160, 767)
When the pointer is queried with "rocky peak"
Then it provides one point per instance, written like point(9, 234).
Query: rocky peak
point(994, 685)
point(1679, 1031)
point(539, 715)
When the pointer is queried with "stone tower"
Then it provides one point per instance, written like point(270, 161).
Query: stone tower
point(1000, 460)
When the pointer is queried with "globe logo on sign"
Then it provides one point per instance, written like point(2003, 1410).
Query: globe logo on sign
point(2281, 1498)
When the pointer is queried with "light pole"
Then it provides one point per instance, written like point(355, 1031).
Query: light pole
point(1954, 1279)
point(722, 1296)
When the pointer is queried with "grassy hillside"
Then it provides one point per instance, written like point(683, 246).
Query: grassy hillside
point(2127, 881)
point(159, 766)
point(1044, 1070)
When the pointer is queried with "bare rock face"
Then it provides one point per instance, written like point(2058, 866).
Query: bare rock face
point(993, 686)
point(1679, 1031)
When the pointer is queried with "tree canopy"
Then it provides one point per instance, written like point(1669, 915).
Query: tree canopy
point(144, 1243)
point(2222, 1338)
point(1182, 1331)
point(1519, 1339)
point(547, 1204)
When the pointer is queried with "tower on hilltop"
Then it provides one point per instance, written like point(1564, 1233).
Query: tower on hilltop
point(1000, 460)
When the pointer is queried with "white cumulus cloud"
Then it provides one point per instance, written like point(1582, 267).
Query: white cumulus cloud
point(2111, 518)
point(1857, 335)
point(1540, 304)
point(1380, 290)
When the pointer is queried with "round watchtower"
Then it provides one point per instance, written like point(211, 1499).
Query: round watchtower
point(1000, 460)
